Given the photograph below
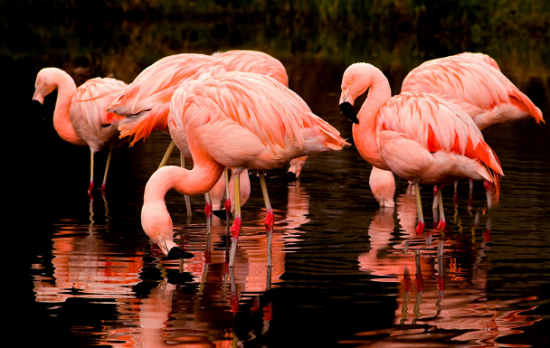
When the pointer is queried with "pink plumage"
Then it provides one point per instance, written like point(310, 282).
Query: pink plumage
point(420, 137)
point(237, 120)
point(79, 116)
point(474, 82)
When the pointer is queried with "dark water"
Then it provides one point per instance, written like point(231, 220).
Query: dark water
point(83, 273)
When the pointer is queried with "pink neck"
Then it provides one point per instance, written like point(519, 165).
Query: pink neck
point(66, 89)
point(365, 132)
point(197, 181)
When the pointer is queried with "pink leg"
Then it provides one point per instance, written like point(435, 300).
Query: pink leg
point(442, 222)
point(269, 219)
point(421, 224)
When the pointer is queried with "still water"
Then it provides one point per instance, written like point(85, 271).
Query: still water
point(346, 273)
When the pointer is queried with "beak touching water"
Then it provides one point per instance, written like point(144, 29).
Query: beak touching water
point(172, 251)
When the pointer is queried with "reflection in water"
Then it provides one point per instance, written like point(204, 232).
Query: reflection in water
point(442, 283)
point(82, 267)
point(197, 301)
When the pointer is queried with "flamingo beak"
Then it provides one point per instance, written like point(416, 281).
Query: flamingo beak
point(347, 108)
point(38, 96)
point(172, 251)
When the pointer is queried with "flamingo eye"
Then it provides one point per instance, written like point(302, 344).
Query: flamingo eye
point(349, 83)
point(156, 233)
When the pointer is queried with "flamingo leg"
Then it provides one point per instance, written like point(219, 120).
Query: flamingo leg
point(185, 197)
point(269, 217)
point(236, 228)
point(471, 196)
point(488, 187)
point(208, 205)
point(227, 194)
point(442, 222)
point(455, 195)
point(106, 169)
point(167, 154)
point(435, 204)
point(421, 224)
point(91, 186)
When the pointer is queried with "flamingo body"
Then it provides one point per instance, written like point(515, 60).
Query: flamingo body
point(474, 82)
point(236, 120)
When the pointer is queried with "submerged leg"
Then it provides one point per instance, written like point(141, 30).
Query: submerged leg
point(421, 224)
point(236, 228)
point(442, 222)
point(106, 169)
point(269, 219)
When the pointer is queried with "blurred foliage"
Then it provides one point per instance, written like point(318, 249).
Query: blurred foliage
point(395, 35)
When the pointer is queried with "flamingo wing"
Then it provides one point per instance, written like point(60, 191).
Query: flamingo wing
point(147, 98)
point(93, 97)
point(469, 84)
point(260, 112)
point(253, 61)
point(437, 125)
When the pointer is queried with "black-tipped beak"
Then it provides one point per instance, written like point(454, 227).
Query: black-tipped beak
point(177, 253)
point(349, 111)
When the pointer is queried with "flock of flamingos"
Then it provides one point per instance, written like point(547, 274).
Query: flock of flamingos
point(234, 110)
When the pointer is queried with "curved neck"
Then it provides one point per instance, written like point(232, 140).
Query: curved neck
point(199, 180)
point(365, 132)
point(66, 89)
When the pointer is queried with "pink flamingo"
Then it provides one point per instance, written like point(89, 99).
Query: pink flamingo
point(469, 81)
point(79, 116)
point(418, 136)
point(236, 120)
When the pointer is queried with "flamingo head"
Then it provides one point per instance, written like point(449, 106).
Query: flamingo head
point(157, 224)
point(44, 84)
point(356, 80)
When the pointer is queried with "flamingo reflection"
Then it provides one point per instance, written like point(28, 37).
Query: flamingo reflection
point(442, 282)
point(82, 268)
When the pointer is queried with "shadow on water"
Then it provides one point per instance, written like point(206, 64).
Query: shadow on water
point(346, 273)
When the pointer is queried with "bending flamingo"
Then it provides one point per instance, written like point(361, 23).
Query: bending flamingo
point(468, 81)
point(418, 136)
point(79, 116)
point(236, 120)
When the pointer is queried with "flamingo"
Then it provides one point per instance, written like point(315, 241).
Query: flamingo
point(420, 137)
point(79, 116)
point(474, 82)
point(236, 120)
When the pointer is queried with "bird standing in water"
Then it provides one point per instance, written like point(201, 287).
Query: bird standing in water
point(418, 136)
point(79, 116)
point(240, 121)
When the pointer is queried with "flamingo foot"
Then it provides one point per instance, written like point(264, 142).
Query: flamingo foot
point(441, 224)
point(420, 227)
point(269, 220)
point(208, 209)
